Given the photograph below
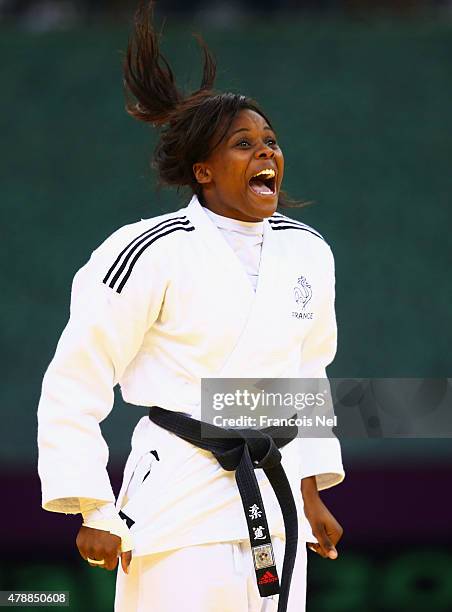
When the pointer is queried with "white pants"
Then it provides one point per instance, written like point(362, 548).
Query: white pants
point(216, 577)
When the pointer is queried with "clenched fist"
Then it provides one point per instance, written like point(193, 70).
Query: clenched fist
point(99, 545)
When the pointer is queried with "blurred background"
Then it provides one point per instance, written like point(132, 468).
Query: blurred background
point(50, 14)
point(360, 93)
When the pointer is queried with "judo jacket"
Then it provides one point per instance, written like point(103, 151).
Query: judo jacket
point(161, 304)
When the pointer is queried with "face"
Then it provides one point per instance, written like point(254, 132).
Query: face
point(242, 177)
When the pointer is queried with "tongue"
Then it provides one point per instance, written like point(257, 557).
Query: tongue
point(260, 187)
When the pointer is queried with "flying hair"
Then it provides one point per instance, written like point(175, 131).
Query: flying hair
point(148, 75)
point(191, 124)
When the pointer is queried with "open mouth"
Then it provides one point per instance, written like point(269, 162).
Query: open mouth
point(263, 183)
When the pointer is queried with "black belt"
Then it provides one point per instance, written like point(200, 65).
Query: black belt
point(245, 450)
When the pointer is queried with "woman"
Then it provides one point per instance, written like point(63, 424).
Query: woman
point(227, 288)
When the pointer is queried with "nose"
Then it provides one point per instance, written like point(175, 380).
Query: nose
point(265, 152)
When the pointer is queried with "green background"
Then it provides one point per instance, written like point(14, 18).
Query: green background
point(362, 110)
point(363, 113)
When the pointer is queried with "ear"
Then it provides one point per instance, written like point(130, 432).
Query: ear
point(202, 173)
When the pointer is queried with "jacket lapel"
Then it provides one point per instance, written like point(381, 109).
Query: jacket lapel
point(225, 260)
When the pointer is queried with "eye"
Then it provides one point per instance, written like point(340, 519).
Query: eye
point(271, 142)
point(243, 144)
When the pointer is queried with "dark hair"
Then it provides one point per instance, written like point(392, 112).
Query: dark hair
point(192, 125)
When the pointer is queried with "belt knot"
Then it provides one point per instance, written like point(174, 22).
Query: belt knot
point(260, 446)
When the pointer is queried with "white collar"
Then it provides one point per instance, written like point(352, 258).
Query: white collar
point(235, 225)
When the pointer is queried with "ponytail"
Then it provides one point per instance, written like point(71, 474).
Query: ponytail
point(148, 76)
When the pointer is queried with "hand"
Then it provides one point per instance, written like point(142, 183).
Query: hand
point(323, 524)
point(98, 544)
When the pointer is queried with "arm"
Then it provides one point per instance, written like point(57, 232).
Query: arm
point(323, 524)
point(320, 458)
point(104, 333)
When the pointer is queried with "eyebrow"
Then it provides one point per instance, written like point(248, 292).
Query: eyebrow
point(267, 127)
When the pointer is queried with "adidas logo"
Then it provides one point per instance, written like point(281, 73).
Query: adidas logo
point(267, 578)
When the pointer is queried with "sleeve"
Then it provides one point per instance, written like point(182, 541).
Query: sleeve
point(105, 517)
point(104, 333)
point(321, 457)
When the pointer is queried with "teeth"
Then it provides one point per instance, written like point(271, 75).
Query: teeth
point(267, 172)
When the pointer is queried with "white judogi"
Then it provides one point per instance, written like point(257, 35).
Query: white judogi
point(217, 577)
point(160, 305)
point(245, 239)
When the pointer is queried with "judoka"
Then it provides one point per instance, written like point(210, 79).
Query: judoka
point(228, 287)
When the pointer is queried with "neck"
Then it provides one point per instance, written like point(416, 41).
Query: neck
point(224, 210)
point(234, 214)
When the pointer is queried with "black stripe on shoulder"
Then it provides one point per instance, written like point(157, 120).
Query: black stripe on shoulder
point(136, 241)
point(297, 227)
point(282, 222)
point(141, 251)
point(136, 248)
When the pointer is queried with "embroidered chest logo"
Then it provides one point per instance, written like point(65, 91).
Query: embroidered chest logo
point(302, 294)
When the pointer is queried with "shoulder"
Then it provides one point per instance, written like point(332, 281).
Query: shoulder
point(280, 222)
point(130, 247)
point(146, 232)
point(296, 232)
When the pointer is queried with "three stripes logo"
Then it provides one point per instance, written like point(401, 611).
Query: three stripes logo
point(119, 273)
point(268, 578)
point(281, 222)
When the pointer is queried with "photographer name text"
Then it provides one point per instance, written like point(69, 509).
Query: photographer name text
point(268, 421)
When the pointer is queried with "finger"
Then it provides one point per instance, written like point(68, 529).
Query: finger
point(126, 558)
point(108, 563)
point(327, 545)
point(111, 557)
point(93, 562)
point(339, 532)
point(111, 563)
point(316, 548)
point(81, 546)
point(334, 530)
